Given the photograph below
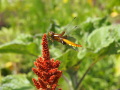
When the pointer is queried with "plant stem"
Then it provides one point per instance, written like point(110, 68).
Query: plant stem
point(80, 81)
point(68, 81)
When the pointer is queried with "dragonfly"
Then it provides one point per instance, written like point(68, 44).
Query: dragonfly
point(62, 39)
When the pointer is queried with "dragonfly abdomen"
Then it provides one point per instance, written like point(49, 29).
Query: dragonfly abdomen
point(71, 43)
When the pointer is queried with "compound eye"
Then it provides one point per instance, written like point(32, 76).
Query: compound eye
point(51, 33)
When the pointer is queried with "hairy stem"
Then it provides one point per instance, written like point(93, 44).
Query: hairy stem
point(68, 81)
point(89, 68)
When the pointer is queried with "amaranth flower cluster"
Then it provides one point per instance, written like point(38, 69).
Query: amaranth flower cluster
point(46, 69)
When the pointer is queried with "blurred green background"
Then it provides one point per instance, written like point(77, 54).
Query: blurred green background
point(23, 22)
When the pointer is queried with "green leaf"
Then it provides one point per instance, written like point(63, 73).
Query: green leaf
point(102, 38)
point(14, 47)
point(24, 38)
point(23, 44)
point(16, 82)
point(117, 65)
point(90, 24)
point(68, 59)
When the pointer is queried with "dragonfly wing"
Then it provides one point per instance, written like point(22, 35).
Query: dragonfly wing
point(71, 43)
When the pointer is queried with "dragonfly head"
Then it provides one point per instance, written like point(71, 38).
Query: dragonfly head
point(50, 34)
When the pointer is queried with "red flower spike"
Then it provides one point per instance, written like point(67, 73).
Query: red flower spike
point(43, 84)
point(45, 49)
point(36, 83)
point(46, 69)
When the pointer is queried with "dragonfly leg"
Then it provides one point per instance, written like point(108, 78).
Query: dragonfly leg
point(51, 39)
point(62, 33)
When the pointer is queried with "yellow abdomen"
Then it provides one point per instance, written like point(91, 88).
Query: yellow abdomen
point(71, 43)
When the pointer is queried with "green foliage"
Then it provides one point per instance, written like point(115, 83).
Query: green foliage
point(90, 24)
point(23, 23)
point(16, 82)
point(67, 61)
point(23, 45)
point(104, 37)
